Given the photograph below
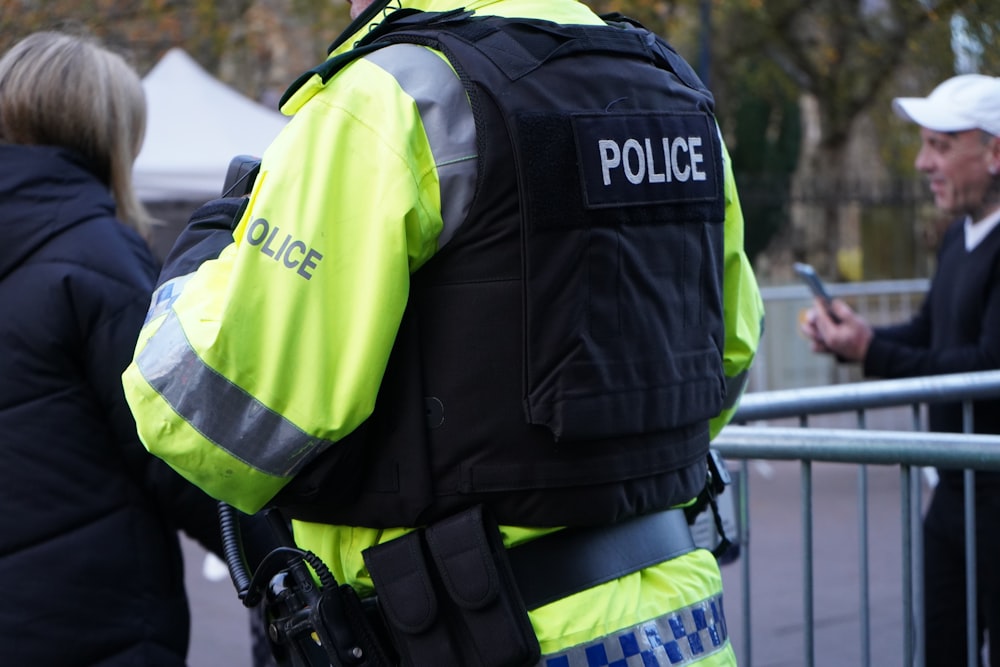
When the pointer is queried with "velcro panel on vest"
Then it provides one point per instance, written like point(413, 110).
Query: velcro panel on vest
point(409, 603)
point(476, 575)
point(624, 329)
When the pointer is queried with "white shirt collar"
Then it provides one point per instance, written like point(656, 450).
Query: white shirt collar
point(976, 232)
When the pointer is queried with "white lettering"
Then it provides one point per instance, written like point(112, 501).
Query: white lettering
point(683, 160)
point(635, 148)
point(694, 143)
point(651, 166)
point(680, 174)
point(611, 157)
point(666, 160)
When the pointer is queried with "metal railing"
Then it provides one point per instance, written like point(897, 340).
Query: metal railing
point(910, 450)
point(784, 359)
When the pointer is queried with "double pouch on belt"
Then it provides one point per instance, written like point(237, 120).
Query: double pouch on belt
point(448, 597)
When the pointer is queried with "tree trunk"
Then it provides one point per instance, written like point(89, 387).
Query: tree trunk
point(817, 195)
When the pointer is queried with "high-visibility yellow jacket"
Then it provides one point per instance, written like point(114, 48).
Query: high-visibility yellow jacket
point(275, 350)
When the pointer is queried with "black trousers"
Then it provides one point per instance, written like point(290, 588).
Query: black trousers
point(944, 576)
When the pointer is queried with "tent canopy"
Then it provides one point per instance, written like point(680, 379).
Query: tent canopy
point(196, 126)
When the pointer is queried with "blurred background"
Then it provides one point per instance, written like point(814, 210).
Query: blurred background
point(803, 92)
point(803, 95)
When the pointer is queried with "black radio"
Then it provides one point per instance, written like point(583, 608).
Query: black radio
point(240, 176)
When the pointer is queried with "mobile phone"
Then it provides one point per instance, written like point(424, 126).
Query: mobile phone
point(812, 280)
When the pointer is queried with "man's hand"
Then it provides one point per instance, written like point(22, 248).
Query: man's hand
point(848, 339)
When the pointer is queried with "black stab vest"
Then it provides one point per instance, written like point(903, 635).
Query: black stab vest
point(561, 356)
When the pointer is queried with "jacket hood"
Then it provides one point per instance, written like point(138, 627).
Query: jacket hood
point(44, 190)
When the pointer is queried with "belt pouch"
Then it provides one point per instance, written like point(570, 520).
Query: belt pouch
point(408, 602)
point(490, 618)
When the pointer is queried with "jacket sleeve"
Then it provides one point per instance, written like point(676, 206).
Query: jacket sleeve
point(259, 359)
point(914, 333)
point(743, 308)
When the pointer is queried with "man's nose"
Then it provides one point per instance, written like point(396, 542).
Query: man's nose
point(923, 162)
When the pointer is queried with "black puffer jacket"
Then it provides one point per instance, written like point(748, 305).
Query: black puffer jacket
point(90, 563)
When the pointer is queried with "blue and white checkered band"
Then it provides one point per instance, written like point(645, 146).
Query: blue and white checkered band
point(679, 638)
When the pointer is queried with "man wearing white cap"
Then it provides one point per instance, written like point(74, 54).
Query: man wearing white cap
point(956, 330)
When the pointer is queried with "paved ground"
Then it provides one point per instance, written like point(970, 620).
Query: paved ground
point(221, 635)
point(220, 626)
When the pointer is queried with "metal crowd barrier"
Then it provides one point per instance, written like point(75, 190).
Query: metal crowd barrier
point(910, 450)
point(783, 358)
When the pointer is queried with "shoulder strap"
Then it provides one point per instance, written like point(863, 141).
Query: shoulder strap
point(519, 45)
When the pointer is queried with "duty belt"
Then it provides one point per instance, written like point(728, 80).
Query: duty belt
point(456, 573)
point(574, 559)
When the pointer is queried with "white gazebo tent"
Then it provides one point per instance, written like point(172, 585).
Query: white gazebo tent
point(196, 125)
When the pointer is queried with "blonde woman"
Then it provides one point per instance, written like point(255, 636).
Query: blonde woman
point(89, 554)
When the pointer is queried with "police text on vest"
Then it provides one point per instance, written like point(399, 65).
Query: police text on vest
point(653, 161)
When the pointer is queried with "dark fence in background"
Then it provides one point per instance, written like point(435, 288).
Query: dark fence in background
point(774, 189)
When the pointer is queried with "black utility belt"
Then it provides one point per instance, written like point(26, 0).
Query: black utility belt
point(575, 559)
point(451, 594)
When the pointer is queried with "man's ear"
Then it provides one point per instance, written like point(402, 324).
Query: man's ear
point(993, 155)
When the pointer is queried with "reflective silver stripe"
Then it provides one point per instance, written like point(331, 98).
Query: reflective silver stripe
point(676, 639)
point(218, 409)
point(448, 121)
point(734, 389)
point(164, 297)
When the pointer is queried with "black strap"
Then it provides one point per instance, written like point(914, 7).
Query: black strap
point(574, 559)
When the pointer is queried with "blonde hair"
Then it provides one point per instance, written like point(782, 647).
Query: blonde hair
point(66, 90)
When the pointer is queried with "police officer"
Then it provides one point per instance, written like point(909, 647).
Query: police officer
point(492, 271)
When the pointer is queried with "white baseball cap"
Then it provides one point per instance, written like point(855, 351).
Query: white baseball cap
point(964, 102)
